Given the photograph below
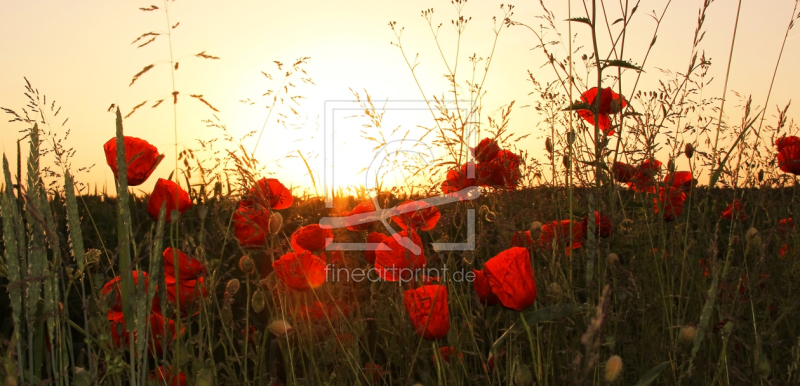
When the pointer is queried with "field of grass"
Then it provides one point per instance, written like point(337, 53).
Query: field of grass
point(599, 260)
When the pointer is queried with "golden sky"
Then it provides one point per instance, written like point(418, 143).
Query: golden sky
point(80, 54)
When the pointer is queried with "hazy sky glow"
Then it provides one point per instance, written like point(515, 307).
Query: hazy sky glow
point(80, 54)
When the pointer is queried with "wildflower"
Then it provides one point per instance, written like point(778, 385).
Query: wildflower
point(301, 270)
point(522, 239)
point(190, 291)
point(613, 368)
point(393, 259)
point(373, 238)
point(643, 180)
point(789, 154)
point(486, 151)
point(680, 180)
point(311, 238)
point(511, 278)
point(162, 376)
point(365, 207)
point(559, 231)
point(164, 193)
point(458, 179)
point(427, 308)
point(160, 328)
point(623, 172)
point(446, 352)
point(141, 157)
point(114, 286)
point(603, 226)
point(251, 224)
point(672, 200)
point(188, 267)
point(420, 215)
point(502, 171)
point(610, 103)
point(484, 289)
point(270, 193)
point(375, 370)
point(688, 150)
point(735, 209)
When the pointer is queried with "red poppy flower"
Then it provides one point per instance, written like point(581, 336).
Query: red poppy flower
point(789, 154)
point(785, 226)
point(427, 308)
point(458, 179)
point(603, 226)
point(375, 370)
point(141, 157)
point(417, 214)
point(446, 352)
point(486, 150)
point(643, 180)
point(502, 171)
point(373, 238)
point(735, 209)
point(191, 292)
point(114, 285)
point(784, 250)
point(301, 270)
point(311, 238)
point(510, 275)
point(188, 267)
point(270, 193)
point(164, 193)
point(681, 180)
point(393, 261)
point(559, 231)
point(162, 376)
point(484, 289)
point(623, 172)
point(251, 224)
point(160, 328)
point(366, 206)
point(610, 103)
point(522, 239)
point(672, 199)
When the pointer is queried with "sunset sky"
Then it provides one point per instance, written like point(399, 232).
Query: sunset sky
point(79, 54)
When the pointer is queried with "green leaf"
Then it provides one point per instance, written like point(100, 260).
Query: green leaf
point(652, 374)
point(583, 20)
point(546, 314)
point(620, 63)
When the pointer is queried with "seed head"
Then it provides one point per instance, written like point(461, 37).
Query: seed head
point(612, 258)
point(246, 264)
point(688, 333)
point(279, 327)
point(688, 151)
point(232, 287)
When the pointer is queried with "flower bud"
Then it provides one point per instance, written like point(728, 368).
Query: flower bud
point(233, 287)
point(548, 145)
point(246, 264)
point(536, 230)
point(275, 222)
point(613, 368)
point(566, 162)
point(688, 151)
point(279, 327)
point(258, 302)
point(202, 211)
point(612, 258)
point(571, 137)
point(688, 333)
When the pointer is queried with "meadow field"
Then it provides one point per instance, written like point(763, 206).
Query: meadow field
point(648, 240)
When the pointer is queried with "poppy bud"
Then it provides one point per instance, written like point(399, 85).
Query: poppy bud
point(612, 258)
point(571, 137)
point(279, 327)
point(233, 287)
point(613, 368)
point(226, 315)
point(566, 162)
point(761, 175)
point(258, 301)
point(688, 151)
point(626, 226)
point(728, 327)
point(671, 165)
point(688, 333)
point(275, 222)
point(764, 368)
point(246, 264)
point(548, 145)
point(536, 230)
point(174, 215)
point(753, 238)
